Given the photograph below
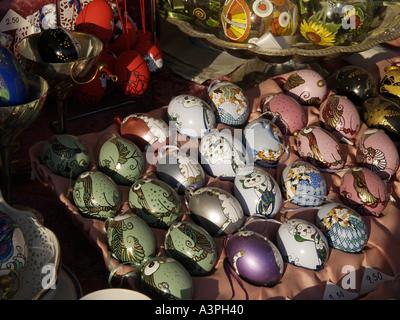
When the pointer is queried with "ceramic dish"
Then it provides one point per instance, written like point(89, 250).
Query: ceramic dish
point(38, 280)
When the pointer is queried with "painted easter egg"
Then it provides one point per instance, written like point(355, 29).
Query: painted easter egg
point(155, 202)
point(192, 246)
point(303, 184)
point(130, 239)
point(343, 227)
point(230, 102)
point(65, 155)
point(215, 209)
point(96, 195)
point(254, 258)
point(302, 244)
point(180, 171)
point(364, 191)
point(122, 160)
point(191, 116)
point(307, 87)
point(258, 193)
point(377, 152)
point(340, 117)
point(164, 278)
point(320, 148)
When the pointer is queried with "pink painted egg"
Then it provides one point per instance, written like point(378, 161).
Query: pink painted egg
point(377, 152)
point(340, 117)
point(320, 148)
point(291, 114)
point(307, 87)
point(364, 191)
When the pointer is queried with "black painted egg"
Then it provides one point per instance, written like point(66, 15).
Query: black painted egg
point(382, 114)
point(355, 83)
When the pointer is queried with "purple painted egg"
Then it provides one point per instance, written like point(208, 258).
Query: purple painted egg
point(364, 191)
point(377, 152)
point(254, 258)
point(320, 148)
point(340, 117)
point(291, 114)
point(307, 87)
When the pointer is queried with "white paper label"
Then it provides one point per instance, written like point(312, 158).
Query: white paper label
point(371, 279)
point(334, 292)
point(12, 21)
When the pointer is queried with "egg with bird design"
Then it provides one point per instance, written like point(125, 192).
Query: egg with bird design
point(364, 191)
point(192, 246)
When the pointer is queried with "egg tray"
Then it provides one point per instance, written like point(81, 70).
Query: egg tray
point(379, 256)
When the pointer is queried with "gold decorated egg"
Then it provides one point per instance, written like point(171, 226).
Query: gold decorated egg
point(390, 84)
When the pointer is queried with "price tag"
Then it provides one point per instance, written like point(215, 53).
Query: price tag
point(334, 292)
point(12, 21)
point(371, 279)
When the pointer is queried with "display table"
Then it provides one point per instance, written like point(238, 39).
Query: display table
point(88, 258)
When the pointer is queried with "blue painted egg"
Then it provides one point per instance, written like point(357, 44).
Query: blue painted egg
point(343, 227)
point(13, 82)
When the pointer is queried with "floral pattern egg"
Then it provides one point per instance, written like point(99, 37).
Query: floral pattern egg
point(65, 155)
point(130, 239)
point(364, 191)
point(192, 246)
point(155, 202)
point(307, 87)
point(180, 171)
point(191, 116)
point(343, 227)
point(254, 258)
point(266, 142)
point(96, 195)
point(340, 117)
point(320, 148)
point(215, 209)
point(292, 117)
point(13, 248)
point(231, 103)
point(302, 244)
point(146, 131)
point(223, 155)
point(303, 184)
point(122, 160)
point(258, 193)
point(244, 20)
point(164, 278)
point(377, 152)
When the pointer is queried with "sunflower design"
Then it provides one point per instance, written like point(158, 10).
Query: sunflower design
point(317, 34)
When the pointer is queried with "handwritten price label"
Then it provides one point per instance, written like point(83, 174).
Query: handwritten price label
point(372, 278)
point(334, 292)
point(12, 21)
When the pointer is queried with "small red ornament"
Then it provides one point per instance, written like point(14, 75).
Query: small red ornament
point(147, 36)
point(97, 19)
point(124, 36)
point(132, 72)
point(92, 92)
point(152, 55)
